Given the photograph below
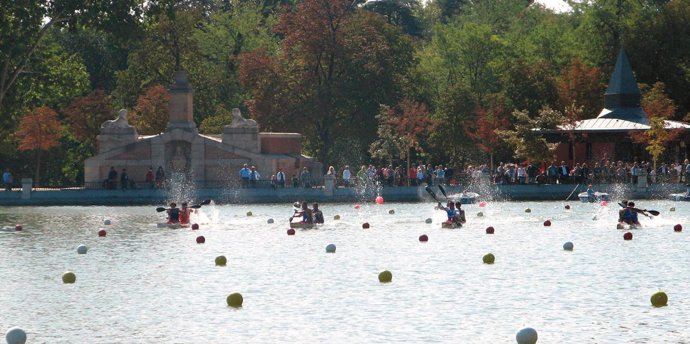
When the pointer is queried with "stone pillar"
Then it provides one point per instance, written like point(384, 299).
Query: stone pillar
point(329, 184)
point(181, 107)
point(642, 179)
point(27, 184)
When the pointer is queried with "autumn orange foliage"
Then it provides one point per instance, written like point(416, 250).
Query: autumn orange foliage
point(39, 130)
point(150, 116)
point(86, 114)
point(581, 86)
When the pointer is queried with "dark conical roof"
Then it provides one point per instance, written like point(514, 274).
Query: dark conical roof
point(622, 97)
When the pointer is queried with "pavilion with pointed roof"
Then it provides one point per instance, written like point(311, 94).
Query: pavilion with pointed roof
point(607, 135)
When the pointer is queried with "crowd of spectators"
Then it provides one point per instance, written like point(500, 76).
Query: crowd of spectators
point(603, 171)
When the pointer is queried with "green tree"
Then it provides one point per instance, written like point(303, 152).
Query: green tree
point(659, 107)
point(526, 139)
point(336, 65)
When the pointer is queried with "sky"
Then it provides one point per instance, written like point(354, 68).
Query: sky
point(556, 5)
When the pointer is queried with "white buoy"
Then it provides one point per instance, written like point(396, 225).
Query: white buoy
point(568, 246)
point(527, 335)
point(15, 335)
point(270, 221)
point(81, 249)
point(107, 222)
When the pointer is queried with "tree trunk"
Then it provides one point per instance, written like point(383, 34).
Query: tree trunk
point(407, 172)
point(38, 167)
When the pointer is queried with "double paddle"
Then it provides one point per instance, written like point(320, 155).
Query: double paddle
point(653, 212)
point(195, 206)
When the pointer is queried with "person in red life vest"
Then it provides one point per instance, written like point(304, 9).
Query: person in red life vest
point(185, 213)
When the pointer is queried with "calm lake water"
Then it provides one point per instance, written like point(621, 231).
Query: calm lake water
point(142, 284)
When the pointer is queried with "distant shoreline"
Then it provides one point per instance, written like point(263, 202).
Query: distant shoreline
point(493, 192)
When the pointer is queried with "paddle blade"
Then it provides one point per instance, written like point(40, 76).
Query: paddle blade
point(196, 206)
point(431, 192)
point(205, 202)
point(443, 191)
point(654, 212)
point(160, 209)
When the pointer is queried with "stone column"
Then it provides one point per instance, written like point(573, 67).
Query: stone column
point(329, 184)
point(181, 103)
point(27, 184)
point(642, 179)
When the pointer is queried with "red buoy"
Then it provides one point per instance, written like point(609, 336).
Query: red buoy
point(567, 206)
point(365, 225)
point(678, 228)
point(490, 230)
point(379, 200)
point(482, 204)
point(357, 206)
point(195, 226)
point(547, 223)
point(423, 238)
point(18, 228)
point(200, 239)
point(102, 233)
point(627, 236)
point(291, 231)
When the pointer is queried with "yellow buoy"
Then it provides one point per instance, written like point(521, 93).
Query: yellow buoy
point(659, 299)
point(69, 277)
point(489, 258)
point(235, 300)
point(221, 261)
point(385, 276)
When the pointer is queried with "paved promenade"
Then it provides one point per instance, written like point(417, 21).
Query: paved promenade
point(288, 195)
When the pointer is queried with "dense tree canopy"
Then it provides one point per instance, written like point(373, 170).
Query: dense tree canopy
point(325, 68)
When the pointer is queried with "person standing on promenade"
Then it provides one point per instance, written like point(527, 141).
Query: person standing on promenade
point(112, 178)
point(280, 178)
point(346, 176)
point(160, 177)
point(124, 179)
point(254, 176)
point(7, 179)
point(150, 177)
point(305, 178)
point(563, 173)
point(244, 175)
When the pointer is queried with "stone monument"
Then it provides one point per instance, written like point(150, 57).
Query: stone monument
point(205, 160)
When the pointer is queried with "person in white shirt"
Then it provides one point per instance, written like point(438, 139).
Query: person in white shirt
point(346, 176)
point(521, 173)
point(280, 178)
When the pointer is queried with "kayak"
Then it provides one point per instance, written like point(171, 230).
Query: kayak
point(623, 225)
point(172, 225)
point(302, 225)
point(450, 225)
point(679, 197)
point(598, 197)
